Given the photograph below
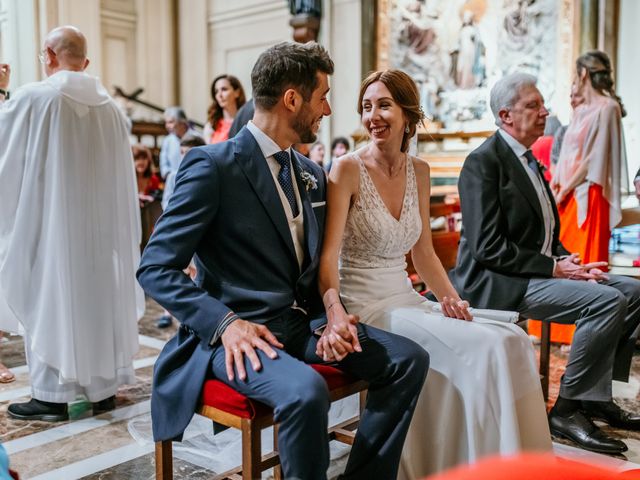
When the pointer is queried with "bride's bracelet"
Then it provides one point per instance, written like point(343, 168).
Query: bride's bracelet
point(334, 303)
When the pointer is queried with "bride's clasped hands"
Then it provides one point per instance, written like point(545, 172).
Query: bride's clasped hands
point(340, 336)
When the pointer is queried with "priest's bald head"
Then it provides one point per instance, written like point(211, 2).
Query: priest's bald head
point(65, 48)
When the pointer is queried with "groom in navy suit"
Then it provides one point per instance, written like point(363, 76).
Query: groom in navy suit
point(251, 211)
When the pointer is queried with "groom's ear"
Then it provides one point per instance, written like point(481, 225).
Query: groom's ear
point(292, 100)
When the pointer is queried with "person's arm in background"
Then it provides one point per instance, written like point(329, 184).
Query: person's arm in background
point(425, 260)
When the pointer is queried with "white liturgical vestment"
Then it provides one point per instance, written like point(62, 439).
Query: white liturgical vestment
point(69, 229)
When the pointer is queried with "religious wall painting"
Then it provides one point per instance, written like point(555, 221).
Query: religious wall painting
point(457, 49)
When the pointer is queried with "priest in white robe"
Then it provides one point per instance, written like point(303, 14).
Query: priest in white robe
point(69, 233)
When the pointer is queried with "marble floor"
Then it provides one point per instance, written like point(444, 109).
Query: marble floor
point(117, 445)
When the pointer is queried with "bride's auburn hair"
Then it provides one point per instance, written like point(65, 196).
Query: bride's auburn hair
point(404, 92)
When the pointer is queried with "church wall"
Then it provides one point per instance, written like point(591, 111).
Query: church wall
point(343, 32)
point(18, 45)
point(628, 73)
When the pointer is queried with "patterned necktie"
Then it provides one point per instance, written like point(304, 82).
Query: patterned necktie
point(285, 180)
point(532, 162)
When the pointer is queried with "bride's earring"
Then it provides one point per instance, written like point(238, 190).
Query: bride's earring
point(406, 129)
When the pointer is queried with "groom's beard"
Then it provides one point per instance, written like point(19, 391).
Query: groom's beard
point(303, 126)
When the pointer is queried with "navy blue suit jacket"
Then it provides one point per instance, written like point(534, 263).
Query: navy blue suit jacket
point(226, 211)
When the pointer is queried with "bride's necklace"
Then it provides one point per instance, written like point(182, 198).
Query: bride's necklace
point(389, 170)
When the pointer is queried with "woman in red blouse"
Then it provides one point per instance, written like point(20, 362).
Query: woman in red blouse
point(148, 182)
point(228, 97)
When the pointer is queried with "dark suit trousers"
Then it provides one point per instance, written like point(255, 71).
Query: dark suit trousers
point(396, 369)
point(606, 316)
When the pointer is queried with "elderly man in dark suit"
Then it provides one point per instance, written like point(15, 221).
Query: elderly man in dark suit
point(510, 258)
point(252, 210)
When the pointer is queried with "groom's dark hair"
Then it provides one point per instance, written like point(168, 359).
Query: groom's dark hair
point(288, 65)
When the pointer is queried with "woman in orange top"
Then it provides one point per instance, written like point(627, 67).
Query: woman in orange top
point(591, 167)
point(228, 97)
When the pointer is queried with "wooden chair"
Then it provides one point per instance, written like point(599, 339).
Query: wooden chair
point(545, 354)
point(224, 405)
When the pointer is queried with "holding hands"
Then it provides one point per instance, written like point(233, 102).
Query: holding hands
point(571, 268)
point(340, 337)
point(241, 338)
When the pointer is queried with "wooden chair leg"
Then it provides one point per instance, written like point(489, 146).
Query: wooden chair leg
point(251, 450)
point(363, 400)
point(277, 470)
point(545, 352)
point(164, 460)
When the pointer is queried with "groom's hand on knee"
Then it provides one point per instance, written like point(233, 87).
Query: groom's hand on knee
point(241, 338)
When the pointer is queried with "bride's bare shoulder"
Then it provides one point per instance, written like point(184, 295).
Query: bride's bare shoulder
point(420, 166)
point(347, 164)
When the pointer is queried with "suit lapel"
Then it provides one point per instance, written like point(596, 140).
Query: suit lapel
point(254, 166)
point(310, 222)
point(518, 174)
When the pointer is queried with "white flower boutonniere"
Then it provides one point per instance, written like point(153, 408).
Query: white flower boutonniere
point(310, 181)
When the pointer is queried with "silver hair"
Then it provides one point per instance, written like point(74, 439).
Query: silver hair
point(176, 113)
point(506, 92)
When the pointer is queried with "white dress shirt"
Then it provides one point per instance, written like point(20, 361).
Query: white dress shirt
point(543, 198)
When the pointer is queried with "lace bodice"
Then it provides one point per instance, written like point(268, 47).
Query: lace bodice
point(373, 238)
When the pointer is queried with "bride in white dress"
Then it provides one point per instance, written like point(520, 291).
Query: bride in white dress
point(482, 394)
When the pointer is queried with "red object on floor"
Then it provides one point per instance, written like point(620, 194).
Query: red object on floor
point(533, 466)
point(223, 397)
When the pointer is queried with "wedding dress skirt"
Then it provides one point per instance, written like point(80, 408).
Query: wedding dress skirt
point(482, 395)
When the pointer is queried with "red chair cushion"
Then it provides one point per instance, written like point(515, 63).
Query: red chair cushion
point(219, 395)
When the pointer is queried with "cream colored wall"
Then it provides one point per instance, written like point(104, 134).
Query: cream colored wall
point(628, 71)
point(130, 42)
point(133, 43)
point(237, 32)
point(342, 37)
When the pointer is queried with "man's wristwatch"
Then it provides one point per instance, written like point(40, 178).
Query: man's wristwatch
point(5, 93)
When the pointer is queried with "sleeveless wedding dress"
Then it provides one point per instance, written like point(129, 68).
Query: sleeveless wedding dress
point(482, 395)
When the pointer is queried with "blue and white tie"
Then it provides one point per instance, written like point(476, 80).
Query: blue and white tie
point(285, 179)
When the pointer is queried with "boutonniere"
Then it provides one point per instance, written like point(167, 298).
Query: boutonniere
point(310, 181)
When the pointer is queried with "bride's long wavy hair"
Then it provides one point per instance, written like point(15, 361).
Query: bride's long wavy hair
point(404, 92)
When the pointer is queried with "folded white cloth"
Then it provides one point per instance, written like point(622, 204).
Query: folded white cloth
point(497, 315)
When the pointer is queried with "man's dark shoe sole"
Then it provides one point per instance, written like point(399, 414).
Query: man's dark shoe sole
point(45, 417)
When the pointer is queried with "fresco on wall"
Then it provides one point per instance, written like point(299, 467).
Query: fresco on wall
point(457, 49)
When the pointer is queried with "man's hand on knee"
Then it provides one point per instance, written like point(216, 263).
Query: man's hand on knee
point(571, 269)
point(241, 338)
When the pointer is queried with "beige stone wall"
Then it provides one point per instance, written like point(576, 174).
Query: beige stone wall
point(628, 73)
point(174, 48)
